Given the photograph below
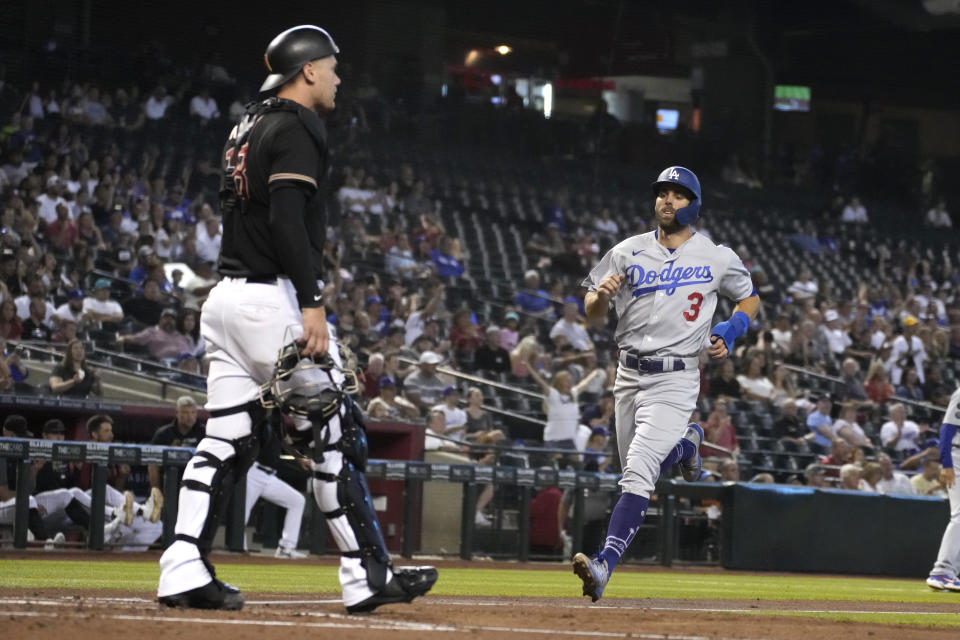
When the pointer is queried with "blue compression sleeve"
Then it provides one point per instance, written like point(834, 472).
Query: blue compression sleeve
point(732, 329)
point(947, 434)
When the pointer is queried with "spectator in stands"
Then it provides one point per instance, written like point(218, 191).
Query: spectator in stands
point(156, 106)
point(804, 287)
point(424, 387)
point(9, 277)
point(532, 299)
point(72, 309)
point(560, 404)
point(898, 435)
point(729, 470)
point(490, 357)
point(718, 430)
point(162, 341)
point(62, 232)
point(870, 478)
point(209, 236)
point(754, 384)
point(784, 388)
point(852, 387)
point(480, 428)
point(927, 482)
point(35, 327)
point(400, 261)
point(789, 427)
point(13, 369)
point(204, 107)
point(892, 482)
point(850, 477)
point(878, 389)
point(837, 337)
point(571, 327)
point(910, 386)
point(907, 349)
point(447, 259)
point(527, 350)
point(813, 475)
point(596, 453)
point(433, 307)
point(185, 431)
point(10, 326)
point(73, 376)
point(854, 212)
point(846, 427)
point(465, 338)
point(601, 414)
point(782, 332)
point(725, 383)
point(35, 289)
point(50, 200)
point(938, 217)
point(508, 333)
point(820, 424)
point(147, 307)
point(397, 407)
point(99, 307)
point(455, 417)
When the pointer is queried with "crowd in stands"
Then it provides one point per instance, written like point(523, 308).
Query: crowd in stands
point(110, 235)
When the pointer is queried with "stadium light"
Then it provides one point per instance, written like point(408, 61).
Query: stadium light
point(503, 49)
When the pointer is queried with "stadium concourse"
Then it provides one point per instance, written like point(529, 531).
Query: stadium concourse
point(450, 253)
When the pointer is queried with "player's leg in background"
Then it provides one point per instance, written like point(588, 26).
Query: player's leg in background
point(283, 495)
point(8, 510)
point(62, 509)
point(948, 558)
point(256, 481)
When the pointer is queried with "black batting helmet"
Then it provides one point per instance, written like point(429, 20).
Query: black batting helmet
point(288, 52)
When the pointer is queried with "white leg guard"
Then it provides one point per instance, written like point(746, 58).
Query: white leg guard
point(181, 567)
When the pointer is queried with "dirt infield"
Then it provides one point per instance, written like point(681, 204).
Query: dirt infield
point(29, 614)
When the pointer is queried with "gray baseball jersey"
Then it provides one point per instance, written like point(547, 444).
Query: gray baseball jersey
point(666, 302)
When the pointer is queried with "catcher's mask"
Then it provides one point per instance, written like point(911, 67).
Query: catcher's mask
point(311, 387)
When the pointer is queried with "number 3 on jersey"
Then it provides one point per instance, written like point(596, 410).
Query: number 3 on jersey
point(696, 299)
point(239, 171)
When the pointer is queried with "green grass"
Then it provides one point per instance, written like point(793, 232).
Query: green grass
point(481, 581)
point(922, 619)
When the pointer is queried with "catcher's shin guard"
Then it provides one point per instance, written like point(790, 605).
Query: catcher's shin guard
point(345, 501)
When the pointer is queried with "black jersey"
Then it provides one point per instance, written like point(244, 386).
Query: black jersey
point(279, 144)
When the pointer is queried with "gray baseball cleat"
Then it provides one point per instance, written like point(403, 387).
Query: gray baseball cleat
point(692, 467)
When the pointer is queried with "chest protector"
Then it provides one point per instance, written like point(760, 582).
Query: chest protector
point(234, 193)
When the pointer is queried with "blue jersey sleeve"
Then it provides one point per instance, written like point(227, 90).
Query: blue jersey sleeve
point(947, 433)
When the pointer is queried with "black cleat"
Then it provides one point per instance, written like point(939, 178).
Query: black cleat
point(213, 595)
point(407, 583)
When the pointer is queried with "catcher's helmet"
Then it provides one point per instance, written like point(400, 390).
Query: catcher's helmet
point(288, 52)
point(685, 178)
point(310, 386)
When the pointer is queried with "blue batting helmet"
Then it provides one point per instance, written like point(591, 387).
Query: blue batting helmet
point(687, 179)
